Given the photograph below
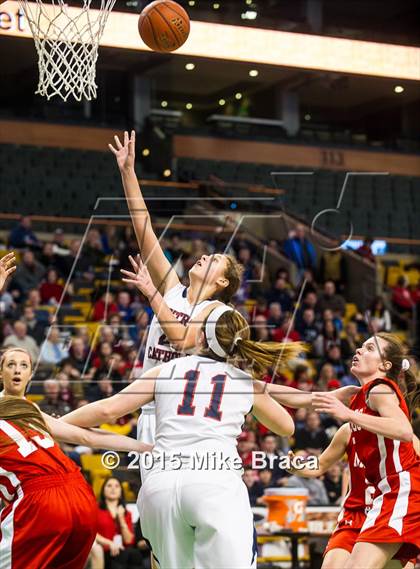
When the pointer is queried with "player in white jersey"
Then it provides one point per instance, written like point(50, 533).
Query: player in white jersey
point(179, 311)
point(194, 506)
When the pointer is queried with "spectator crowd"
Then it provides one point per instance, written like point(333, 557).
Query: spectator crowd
point(88, 345)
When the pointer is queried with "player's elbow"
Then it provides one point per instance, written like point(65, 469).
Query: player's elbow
point(406, 435)
point(288, 427)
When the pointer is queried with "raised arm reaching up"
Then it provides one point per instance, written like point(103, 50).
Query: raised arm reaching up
point(163, 275)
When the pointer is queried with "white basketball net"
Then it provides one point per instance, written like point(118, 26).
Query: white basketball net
point(67, 41)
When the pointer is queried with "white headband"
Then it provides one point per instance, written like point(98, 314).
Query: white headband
point(405, 365)
point(210, 330)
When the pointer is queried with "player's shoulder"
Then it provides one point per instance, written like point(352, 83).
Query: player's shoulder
point(176, 291)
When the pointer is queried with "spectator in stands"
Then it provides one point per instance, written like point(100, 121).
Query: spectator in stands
point(66, 390)
point(29, 273)
point(316, 489)
point(78, 352)
point(100, 389)
point(47, 255)
point(59, 244)
point(365, 250)
point(104, 307)
point(326, 375)
point(51, 291)
point(259, 330)
point(66, 263)
point(253, 485)
point(307, 327)
point(300, 250)
point(261, 280)
point(269, 446)
point(244, 257)
point(7, 303)
point(36, 327)
point(52, 403)
point(309, 279)
point(379, 316)
point(286, 331)
point(275, 316)
point(300, 417)
point(109, 239)
point(302, 379)
point(333, 484)
point(280, 293)
point(92, 248)
point(329, 336)
point(261, 307)
point(401, 301)
point(330, 299)
point(351, 341)
point(115, 527)
point(53, 352)
point(139, 332)
point(334, 357)
point(20, 339)
point(312, 438)
point(34, 301)
point(334, 268)
point(124, 307)
point(246, 444)
point(22, 235)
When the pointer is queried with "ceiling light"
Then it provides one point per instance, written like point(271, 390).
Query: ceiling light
point(145, 152)
point(253, 73)
point(249, 15)
point(164, 104)
point(238, 96)
point(190, 66)
point(191, 3)
point(222, 102)
point(398, 89)
point(248, 2)
point(167, 173)
point(307, 117)
point(216, 6)
point(188, 106)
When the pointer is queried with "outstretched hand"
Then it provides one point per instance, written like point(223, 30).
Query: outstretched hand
point(125, 153)
point(7, 267)
point(328, 403)
point(140, 277)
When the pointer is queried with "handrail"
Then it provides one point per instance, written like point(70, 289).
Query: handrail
point(178, 226)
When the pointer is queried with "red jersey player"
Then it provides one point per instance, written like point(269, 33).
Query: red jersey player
point(49, 520)
point(380, 422)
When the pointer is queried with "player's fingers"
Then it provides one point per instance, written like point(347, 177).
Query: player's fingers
point(128, 274)
point(131, 281)
point(8, 257)
point(10, 270)
point(118, 142)
point(126, 138)
point(112, 149)
point(133, 263)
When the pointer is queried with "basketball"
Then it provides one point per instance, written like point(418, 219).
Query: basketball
point(164, 25)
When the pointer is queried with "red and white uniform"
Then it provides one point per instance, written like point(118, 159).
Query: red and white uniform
point(394, 469)
point(355, 505)
point(50, 517)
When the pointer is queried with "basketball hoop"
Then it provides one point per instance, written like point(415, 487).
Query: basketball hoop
point(67, 41)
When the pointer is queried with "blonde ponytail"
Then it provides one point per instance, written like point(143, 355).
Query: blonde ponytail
point(233, 335)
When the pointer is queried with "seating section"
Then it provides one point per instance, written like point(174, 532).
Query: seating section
point(63, 182)
point(69, 182)
point(378, 205)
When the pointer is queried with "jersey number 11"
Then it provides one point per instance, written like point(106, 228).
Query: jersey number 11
point(213, 409)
